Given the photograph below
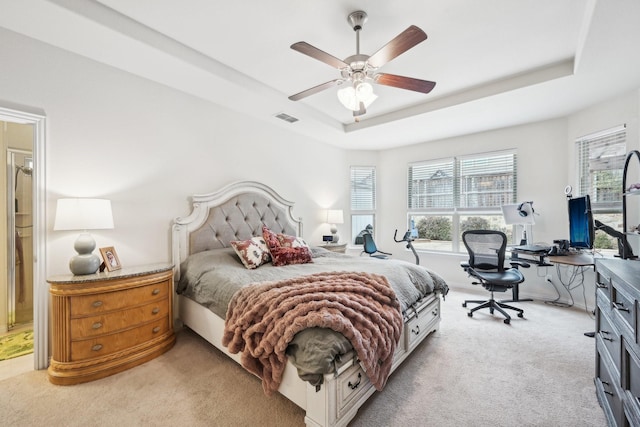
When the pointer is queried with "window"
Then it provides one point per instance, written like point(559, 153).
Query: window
point(600, 162)
point(363, 201)
point(449, 196)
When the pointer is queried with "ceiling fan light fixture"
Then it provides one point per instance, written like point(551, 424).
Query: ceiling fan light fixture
point(351, 97)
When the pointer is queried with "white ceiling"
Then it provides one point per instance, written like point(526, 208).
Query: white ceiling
point(497, 63)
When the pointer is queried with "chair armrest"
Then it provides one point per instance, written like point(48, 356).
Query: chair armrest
point(464, 265)
point(516, 264)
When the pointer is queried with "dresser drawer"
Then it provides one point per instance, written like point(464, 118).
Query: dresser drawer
point(89, 305)
point(352, 385)
point(111, 343)
point(610, 336)
point(115, 321)
point(422, 323)
point(608, 392)
point(625, 305)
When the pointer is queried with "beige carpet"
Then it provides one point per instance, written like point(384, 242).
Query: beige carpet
point(477, 371)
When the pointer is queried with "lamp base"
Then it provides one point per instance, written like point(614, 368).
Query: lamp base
point(84, 264)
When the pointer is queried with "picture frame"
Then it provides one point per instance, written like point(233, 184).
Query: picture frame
point(110, 258)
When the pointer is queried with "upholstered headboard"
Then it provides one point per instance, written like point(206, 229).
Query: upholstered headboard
point(236, 212)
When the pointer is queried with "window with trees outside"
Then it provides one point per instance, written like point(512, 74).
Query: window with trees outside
point(600, 163)
point(363, 202)
point(448, 196)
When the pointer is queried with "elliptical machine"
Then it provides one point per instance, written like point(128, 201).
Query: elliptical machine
point(407, 238)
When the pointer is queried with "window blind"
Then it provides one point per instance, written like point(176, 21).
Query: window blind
point(363, 188)
point(600, 162)
point(487, 180)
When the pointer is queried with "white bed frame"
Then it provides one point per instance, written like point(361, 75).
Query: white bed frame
point(337, 400)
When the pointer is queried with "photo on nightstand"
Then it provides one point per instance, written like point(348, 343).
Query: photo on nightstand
point(110, 257)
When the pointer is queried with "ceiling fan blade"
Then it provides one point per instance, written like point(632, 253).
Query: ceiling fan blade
point(315, 53)
point(400, 44)
point(315, 89)
point(402, 82)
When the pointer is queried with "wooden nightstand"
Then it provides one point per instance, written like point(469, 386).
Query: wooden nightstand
point(107, 322)
point(335, 247)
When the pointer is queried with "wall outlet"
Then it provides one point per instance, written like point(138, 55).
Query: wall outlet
point(548, 278)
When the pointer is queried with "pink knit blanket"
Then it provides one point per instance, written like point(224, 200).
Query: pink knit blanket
point(263, 318)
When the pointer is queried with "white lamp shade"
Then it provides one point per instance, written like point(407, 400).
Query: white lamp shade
point(83, 214)
point(334, 216)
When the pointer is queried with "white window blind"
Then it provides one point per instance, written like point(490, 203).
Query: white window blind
point(600, 163)
point(363, 188)
point(487, 180)
point(431, 184)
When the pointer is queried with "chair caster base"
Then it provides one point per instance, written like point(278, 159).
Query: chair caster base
point(507, 321)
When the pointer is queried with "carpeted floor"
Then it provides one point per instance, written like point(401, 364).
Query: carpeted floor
point(16, 344)
point(477, 371)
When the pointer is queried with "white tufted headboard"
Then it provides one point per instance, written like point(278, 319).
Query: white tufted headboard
point(236, 212)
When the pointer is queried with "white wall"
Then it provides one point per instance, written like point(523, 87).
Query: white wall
point(148, 148)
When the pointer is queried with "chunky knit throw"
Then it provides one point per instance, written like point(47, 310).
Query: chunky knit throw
point(263, 318)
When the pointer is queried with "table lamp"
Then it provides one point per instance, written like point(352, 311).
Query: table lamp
point(334, 216)
point(84, 214)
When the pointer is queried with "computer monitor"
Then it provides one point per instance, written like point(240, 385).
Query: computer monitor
point(581, 227)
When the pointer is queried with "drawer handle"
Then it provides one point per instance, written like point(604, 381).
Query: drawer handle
point(156, 329)
point(620, 306)
point(601, 285)
point(605, 391)
point(435, 312)
point(603, 333)
point(156, 291)
point(97, 304)
point(96, 347)
point(355, 386)
point(156, 310)
point(97, 325)
point(416, 330)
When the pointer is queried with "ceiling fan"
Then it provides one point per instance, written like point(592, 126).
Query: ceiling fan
point(358, 71)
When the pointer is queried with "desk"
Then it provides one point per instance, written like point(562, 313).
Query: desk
point(577, 260)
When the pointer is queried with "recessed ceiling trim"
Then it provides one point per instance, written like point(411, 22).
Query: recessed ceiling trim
point(517, 81)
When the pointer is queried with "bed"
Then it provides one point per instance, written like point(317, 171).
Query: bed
point(211, 280)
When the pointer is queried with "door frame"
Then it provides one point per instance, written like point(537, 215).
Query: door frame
point(37, 119)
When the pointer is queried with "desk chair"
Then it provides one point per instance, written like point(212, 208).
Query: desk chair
point(486, 250)
point(371, 248)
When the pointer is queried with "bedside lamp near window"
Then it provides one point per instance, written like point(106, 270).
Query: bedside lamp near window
point(335, 216)
point(84, 214)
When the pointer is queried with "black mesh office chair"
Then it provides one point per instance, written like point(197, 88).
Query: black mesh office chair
point(371, 248)
point(486, 263)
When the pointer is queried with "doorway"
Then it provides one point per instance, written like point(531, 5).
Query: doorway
point(23, 288)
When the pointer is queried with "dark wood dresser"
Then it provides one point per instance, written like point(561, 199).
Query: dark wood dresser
point(617, 337)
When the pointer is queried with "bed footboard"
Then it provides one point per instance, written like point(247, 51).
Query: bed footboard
point(337, 401)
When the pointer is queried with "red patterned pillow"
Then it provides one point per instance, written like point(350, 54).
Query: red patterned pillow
point(253, 253)
point(270, 238)
point(286, 255)
point(276, 240)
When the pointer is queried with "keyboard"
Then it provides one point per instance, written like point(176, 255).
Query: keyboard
point(532, 248)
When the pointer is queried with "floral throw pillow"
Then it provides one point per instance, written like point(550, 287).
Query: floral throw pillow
point(286, 255)
point(253, 252)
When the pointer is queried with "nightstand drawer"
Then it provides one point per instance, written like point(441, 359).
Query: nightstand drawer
point(89, 305)
point(111, 343)
point(114, 321)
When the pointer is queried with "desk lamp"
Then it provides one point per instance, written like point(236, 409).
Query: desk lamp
point(84, 214)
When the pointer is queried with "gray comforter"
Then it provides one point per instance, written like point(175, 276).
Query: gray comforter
point(212, 277)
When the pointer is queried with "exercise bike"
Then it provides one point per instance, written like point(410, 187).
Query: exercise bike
point(407, 238)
